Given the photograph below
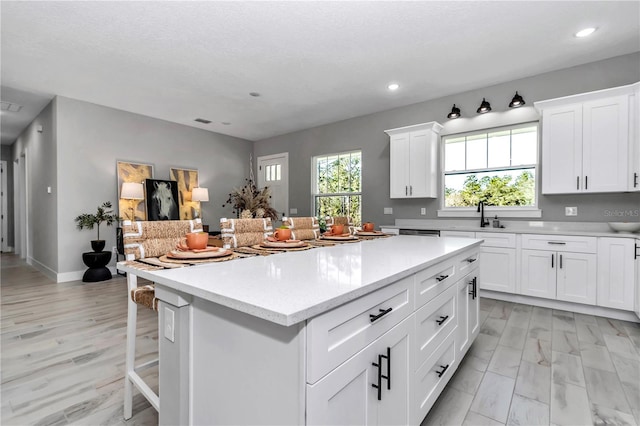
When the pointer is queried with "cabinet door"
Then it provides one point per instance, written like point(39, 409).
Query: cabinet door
point(637, 288)
point(399, 166)
point(346, 395)
point(562, 150)
point(462, 301)
point(498, 269)
point(474, 306)
point(422, 164)
point(616, 273)
point(576, 277)
point(538, 276)
point(605, 144)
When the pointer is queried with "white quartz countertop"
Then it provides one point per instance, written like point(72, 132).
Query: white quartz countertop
point(291, 287)
point(587, 229)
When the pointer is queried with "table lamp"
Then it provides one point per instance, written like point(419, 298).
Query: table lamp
point(132, 191)
point(200, 195)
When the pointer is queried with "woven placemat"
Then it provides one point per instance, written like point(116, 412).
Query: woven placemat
point(142, 266)
point(320, 243)
point(198, 261)
point(280, 250)
point(251, 251)
point(371, 237)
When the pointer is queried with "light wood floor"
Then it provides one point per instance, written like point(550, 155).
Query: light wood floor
point(63, 350)
point(62, 360)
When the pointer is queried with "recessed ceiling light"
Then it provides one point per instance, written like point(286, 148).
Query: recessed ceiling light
point(254, 94)
point(585, 32)
point(226, 123)
point(202, 120)
point(393, 86)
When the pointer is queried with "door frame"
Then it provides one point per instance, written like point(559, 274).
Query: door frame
point(4, 218)
point(266, 158)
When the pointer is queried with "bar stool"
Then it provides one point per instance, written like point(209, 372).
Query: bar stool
point(244, 232)
point(143, 240)
point(302, 228)
point(341, 220)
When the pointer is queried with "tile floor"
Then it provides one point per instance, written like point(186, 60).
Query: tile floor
point(538, 366)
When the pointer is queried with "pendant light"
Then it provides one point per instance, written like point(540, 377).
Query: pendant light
point(517, 101)
point(455, 112)
point(484, 107)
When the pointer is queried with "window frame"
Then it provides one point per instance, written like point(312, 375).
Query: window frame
point(504, 211)
point(314, 179)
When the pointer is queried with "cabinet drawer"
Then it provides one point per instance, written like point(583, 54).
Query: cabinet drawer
point(497, 239)
point(434, 322)
point(336, 335)
point(428, 380)
point(434, 280)
point(458, 234)
point(467, 262)
point(560, 243)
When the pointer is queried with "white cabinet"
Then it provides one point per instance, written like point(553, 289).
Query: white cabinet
point(566, 272)
point(498, 266)
point(371, 388)
point(413, 170)
point(468, 312)
point(636, 256)
point(616, 273)
point(585, 142)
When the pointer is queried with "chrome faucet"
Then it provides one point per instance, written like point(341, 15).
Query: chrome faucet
point(483, 222)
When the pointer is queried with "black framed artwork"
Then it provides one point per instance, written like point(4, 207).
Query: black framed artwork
point(162, 199)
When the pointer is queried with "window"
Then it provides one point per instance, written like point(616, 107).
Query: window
point(496, 166)
point(337, 189)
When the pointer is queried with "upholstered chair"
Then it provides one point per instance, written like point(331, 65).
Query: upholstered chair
point(302, 228)
point(244, 232)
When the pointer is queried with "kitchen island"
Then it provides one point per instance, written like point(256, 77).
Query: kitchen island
point(293, 338)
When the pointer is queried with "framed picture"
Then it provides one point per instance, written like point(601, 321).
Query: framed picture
point(187, 180)
point(162, 199)
point(132, 172)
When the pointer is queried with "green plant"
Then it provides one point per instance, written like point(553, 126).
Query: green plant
point(103, 214)
point(283, 227)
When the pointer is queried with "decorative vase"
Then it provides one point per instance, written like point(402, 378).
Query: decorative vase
point(97, 245)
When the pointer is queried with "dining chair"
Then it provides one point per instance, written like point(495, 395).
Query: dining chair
point(302, 228)
point(244, 232)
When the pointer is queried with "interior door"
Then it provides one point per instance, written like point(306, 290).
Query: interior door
point(273, 171)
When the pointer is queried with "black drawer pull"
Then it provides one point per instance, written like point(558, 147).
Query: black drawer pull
point(635, 180)
point(379, 384)
point(388, 376)
point(442, 277)
point(444, 368)
point(557, 243)
point(472, 260)
point(382, 313)
point(474, 288)
point(442, 319)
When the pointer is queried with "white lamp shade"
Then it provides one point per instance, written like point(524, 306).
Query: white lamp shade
point(132, 191)
point(200, 194)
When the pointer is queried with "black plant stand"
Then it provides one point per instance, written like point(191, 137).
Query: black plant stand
point(97, 262)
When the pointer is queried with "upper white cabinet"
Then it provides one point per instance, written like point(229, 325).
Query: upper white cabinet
point(587, 141)
point(414, 160)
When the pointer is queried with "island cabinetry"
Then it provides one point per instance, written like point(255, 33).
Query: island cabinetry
point(498, 267)
point(413, 168)
point(585, 142)
point(559, 267)
point(616, 273)
point(468, 301)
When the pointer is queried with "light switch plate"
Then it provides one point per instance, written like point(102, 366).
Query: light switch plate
point(423, 211)
point(169, 325)
point(571, 211)
point(293, 210)
point(388, 210)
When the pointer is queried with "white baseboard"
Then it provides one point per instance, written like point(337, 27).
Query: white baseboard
point(48, 272)
point(64, 277)
point(562, 305)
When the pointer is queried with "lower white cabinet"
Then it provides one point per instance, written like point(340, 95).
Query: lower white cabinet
point(616, 273)
point(468, 300)
point(498, 269)
point(371, 388)
point(559, 275)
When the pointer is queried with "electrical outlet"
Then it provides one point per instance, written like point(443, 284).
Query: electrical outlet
point(571, 211)
point(423, 211)
point(114, 250)
point(388, 210)
point(293, 210)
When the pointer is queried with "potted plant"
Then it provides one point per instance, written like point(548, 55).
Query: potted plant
point(103, 214)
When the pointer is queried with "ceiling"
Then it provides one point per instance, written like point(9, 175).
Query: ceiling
point(311, 62)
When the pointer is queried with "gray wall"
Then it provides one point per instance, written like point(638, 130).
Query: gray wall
point(39, 150)
point(367, 133)
point(91, 138)
point(6, 155)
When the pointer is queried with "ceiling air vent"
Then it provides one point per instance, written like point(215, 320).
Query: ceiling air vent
point(8, 106)
point(202, 120)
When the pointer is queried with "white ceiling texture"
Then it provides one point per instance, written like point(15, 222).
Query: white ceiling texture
point(311, 62)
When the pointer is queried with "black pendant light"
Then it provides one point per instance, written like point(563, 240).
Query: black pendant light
point(455, 112)
point(484, 107)
point(517, 101)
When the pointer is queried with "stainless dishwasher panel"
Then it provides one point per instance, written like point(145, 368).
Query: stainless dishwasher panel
point(424, 232)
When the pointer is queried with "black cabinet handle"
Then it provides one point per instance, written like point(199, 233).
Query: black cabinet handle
point(552, 256)
point(442, 319)
point(557, 243)
point(382, 313)
point(379, 384)
point(474, 287)
point(472, 260)
point(560, 263)
point(442, 277)
point(388, 376)
point(406, 190)
point(586, 182)
point(444, 368)
point(577, 182)
point(635, 180)
point(635, 252)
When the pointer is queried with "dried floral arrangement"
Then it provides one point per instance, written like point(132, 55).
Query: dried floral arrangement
point(250, 202)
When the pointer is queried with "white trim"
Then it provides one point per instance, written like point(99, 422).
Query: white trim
point(489, 212)
point(4, 246)
point(48, 272)
point(562, 305)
